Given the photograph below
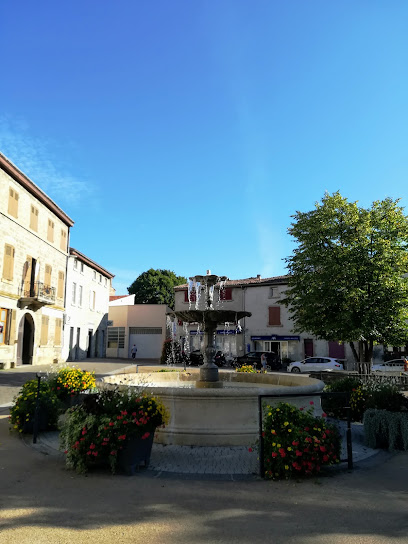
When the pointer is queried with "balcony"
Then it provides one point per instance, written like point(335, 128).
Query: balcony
point(36, 295)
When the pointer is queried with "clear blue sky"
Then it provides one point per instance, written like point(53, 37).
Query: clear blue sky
point(184, 134)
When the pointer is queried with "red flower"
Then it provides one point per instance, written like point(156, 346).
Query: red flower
point(118, 417)
point(250, 450)
point(263, 434)
point(306, 429)
point(322, 448)
point(66, 451)
point(124, 413)
point(113, 452)
point(92, 447)
point(283, 454)
point(111, 423)
point(325, 458)
point(147, 434)
point(324, 414)
point(299, 453)
point(311, 402)
point(95, 453)
point(295, 443)
point(124, 422)
point(274, 454)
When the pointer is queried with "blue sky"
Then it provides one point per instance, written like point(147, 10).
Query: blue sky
point(183, 135)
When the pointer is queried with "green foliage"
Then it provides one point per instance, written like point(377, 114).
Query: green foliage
point(23, 409)
point(363, 396)
point(296, 443)
point(156, 287)
point(94, 432)
point(384, 429)
point(347, 276)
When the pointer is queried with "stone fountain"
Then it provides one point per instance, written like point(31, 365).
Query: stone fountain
point(209, 318)
point(209, 407)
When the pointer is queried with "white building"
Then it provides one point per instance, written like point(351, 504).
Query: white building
point(268, 329)
point(87, 305)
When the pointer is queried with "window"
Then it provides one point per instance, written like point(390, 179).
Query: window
point(116, 337)
point(100, 278)
point(80, 289)
point(73, 300)
point(106, 282)
point(57, 335)
point(13, 203)
point(60, 290)
point(92, 297)
point(226, 293)
point(34, 218)
point(44, 330)
point(271, 292)
point(3, 325)
point(75, 264)
point(193, 296)
point(8, 262)
point(47, 275)
point(50, 232)
point(27, 275)
point(94, 275)
point(63, 240)
point(274, 315)
point(82, 268)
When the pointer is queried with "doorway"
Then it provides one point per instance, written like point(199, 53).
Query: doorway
point(25, 345)
point(89, 351)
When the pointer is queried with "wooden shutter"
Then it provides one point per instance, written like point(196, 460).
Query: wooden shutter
point(8, 262)
point(50, 234)
point(60, 290)
point(13, 203)
point(34, 218)
point(27, 275)
point(274, 315)
point(12, 330)
point(47, 275)
point(226, 293)
point(63, 240)
point(57, 336)
point(44, 330)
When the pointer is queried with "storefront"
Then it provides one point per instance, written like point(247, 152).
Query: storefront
point(284, 346)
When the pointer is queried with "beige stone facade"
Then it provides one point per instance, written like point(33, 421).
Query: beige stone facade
point(33, 257)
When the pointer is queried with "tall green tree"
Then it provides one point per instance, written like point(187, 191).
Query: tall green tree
point(348, 274)
point(156, 287)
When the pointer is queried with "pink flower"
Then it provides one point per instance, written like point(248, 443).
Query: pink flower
point(311, 402)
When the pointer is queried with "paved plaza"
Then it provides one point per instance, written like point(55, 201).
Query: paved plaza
point(196, 495)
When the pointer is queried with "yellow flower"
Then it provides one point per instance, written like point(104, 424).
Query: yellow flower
point(273, 443)
point(289, 448)
point(278, 445)
point(289, 430)
point(286, 467)
point(286, 423)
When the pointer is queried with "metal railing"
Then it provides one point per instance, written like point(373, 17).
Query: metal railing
point(346, 407)
point(39, 291)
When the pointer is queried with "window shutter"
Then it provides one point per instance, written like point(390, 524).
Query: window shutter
point(226, 293)
point(47, 275)
point(60, 291)
point(8, 262)
point(44, 330)
point(274, 315)
point(12, 329)
point(57, 336)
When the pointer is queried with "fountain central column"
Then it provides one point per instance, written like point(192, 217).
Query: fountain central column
point(209, 370)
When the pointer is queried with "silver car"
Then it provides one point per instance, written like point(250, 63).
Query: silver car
point(396, 365)
point(313, 364)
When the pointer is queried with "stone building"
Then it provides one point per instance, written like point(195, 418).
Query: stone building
point(34, 238)
point(87, 305)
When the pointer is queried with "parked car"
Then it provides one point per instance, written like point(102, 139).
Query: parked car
point(254, 358)
point(315, 364)
point(395, 365)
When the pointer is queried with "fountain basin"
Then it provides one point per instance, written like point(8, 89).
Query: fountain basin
point(226, 416)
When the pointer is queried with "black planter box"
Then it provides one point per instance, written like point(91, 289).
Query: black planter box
point(135, 452)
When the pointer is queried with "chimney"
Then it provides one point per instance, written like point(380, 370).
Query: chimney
point(258, 277)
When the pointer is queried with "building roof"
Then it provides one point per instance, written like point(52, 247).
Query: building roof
point(83, 258)
point(25, 181)
point(246, 282)
point(116, 297)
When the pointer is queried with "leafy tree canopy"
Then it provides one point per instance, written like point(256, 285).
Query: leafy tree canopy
point(156, 287)
point(348, 275)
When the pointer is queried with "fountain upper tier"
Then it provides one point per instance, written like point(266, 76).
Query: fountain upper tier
point(211, 317)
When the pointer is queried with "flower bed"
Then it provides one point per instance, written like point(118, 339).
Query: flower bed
point(296, 443)
point(70, 381)
point(95, 432)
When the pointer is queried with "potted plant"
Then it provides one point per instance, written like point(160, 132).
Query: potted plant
point(23, 410)
point(70, 382)
point(112, 427)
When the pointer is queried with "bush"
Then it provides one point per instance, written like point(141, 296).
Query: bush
point(23, 410)
point(247, 368)
point(362, 397)
point(94, 432)
point(296, 443)
point(384, 429)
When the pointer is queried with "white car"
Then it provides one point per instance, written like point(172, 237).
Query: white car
point(396, 365)
point(315, 364)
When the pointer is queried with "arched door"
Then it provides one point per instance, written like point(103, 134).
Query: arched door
point(25, 346)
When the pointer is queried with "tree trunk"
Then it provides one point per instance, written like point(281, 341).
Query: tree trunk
point(353, 349)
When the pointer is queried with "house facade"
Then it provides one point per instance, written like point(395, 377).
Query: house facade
point(268, 329)
point(33, 267)
point(143, 325)
point(87, 306)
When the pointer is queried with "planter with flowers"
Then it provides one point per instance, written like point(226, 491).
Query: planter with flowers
point(296, 443)
point(23, 410)
point(111, 428)
point(70, 382)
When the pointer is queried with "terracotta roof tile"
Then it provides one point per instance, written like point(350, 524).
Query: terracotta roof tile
point(245, 281)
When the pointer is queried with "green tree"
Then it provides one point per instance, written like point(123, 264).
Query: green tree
point(348, 275)
point(156, 287)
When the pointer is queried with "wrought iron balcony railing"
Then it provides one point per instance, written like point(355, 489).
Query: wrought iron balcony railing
point(38, 292)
